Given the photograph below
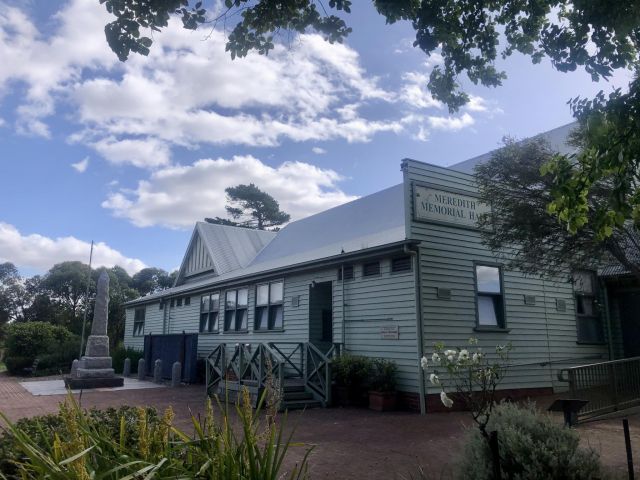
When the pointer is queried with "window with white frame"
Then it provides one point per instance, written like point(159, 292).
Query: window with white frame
point(235, 310)
point(269, 306)
point(489, 296)
point(138, 322)
point(209, 312)
point(588, 322)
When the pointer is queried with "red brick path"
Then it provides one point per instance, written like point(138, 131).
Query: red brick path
point(348, 443)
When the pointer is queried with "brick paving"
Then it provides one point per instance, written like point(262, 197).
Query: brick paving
point(348, 443)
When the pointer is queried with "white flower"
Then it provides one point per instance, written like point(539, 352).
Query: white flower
point(476, 357)
point(463, 356)
point(499, 348)
point(424, 363)
point(473, 341)
point(433, 378)
point(446, 401)
point(449, 352)
point(451, 358)
point(435, 358)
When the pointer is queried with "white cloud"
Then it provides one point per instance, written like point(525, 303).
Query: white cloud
point(177, 196)
point(41, 253)
point(81, 166)
point(318, 150)
point(141, 152)
point(414, 91)
point(451, 124)
point(189, 92)
point(47, 66)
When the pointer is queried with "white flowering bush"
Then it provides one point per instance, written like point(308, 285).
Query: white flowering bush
point(468, 375)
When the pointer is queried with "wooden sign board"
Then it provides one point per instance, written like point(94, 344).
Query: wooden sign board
point(434, 205)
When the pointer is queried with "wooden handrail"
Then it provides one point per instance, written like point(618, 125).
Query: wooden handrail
point(250, 365)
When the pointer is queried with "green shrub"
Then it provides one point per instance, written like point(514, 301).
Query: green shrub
point(350, 370)
point(136, 444)
point(383, 375)
point(16, 365)
point(41, 431)
point(54, 345)
point(532, 446)
point(120, 353)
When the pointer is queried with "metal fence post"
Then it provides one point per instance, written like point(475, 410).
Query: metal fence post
point(614, 381)
point(627, 444)
point(495, 454)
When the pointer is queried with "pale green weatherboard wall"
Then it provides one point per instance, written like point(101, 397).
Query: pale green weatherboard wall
point(371, 302)
point(538, 333)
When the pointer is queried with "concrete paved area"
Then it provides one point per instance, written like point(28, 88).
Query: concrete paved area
point(348, 443)
point(56, 386)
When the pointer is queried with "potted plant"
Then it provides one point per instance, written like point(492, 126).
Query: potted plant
point(350, 374)
point(382, 392)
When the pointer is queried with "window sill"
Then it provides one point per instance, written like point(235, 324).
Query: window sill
point(230, 332)
point(491, 329)
point(267, 330)
point(579, 342)
point(208, 333)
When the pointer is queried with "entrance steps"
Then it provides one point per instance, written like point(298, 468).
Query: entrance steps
point(295, 395)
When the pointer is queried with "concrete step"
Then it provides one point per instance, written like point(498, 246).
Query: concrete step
point(300, 404)
point(290, 396)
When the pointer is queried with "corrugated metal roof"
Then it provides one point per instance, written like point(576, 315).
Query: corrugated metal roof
point(368, 222)
point(613, 271)
point(230, 247)
point(556, 138)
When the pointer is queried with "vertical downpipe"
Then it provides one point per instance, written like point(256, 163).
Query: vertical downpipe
point(415, 254)
point(344, 312)
point(607, 314)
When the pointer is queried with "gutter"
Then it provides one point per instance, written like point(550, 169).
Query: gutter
point(415, 253)
point(326, 261)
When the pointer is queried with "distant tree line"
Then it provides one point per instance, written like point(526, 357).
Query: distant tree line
point(59, 296)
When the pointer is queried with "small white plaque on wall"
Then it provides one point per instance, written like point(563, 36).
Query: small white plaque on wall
point(390, 332)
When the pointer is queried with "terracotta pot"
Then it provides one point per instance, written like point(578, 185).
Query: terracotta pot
point(382, 401)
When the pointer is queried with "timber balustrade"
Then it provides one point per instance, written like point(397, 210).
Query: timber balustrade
point(608, 386)
point(231, 367)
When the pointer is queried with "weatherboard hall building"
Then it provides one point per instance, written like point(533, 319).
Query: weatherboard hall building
point(384, 276)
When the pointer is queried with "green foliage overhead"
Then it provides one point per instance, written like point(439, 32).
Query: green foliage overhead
point(469, 35)
point(609, 157)
point(520, 216)
point(532, 446)
point(251, 207)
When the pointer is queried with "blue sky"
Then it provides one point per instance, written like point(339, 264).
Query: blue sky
point(131, 155)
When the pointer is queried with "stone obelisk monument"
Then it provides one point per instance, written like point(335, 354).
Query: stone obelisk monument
point(94, 369)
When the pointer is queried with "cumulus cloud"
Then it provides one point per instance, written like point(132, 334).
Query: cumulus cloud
point(452, 124)
point(187, 92)
point(318, 150)
point(48, 65)
point(414, 91)
point(177, 196)
point(81, 166)
point(41, 253)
